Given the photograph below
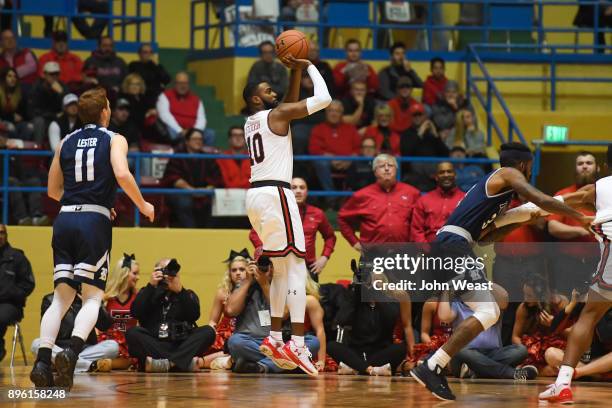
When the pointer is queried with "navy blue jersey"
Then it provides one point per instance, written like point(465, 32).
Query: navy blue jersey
point(86, 165)
point(478, 209)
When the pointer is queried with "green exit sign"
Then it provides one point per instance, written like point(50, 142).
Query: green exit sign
point(556, 134)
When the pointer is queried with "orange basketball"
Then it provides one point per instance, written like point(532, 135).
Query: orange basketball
point(292, 42)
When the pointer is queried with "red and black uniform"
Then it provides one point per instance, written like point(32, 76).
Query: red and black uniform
point(122, 321)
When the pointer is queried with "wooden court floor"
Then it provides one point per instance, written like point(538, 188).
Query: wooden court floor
point(224, 389)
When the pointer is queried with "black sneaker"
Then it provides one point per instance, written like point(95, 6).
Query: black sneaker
point(527, 372)
point(42, 375)
point(243, 366)
point(433, 381)
point(65, 362)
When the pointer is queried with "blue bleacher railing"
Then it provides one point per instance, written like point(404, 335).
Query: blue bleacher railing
point(138, 156)
point(126, 40)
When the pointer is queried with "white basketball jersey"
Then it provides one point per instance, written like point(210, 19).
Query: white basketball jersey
point(603, 205)
point(271, 155)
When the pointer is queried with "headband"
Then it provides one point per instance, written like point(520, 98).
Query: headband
point(233, 254)
point(127, 260)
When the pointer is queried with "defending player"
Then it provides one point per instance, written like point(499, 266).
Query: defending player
point(87, 166)
point(472, 221)
point(272, 209)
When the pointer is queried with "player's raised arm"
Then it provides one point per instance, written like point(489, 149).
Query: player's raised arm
point(286, 112)
point(295, 78)
point(55, 181)
point(121, 169)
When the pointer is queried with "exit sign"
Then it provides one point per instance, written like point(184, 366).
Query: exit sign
point(556, 134)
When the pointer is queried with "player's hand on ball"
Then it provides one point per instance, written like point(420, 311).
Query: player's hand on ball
point(148, 211)
point(293, 63)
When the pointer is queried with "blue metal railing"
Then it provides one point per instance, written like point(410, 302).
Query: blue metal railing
point(138, 156)
point(143, 19)
point(486, 27)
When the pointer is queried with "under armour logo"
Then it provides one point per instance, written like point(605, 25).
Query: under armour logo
point(103, 274)
point(78, 208)
point(294, 292)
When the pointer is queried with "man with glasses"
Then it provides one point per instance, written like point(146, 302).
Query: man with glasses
point(268, 70)
point(382, 211)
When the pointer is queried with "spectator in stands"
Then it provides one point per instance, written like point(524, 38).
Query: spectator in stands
point(268, 70)
point(120, 293)
point(16, 284)
point(444, 111)
point(360, 173)
point(354, 69)
point(467, 174)
point(235, 172)
point(468, 135)
point(13, 107)
point(94, 29)
point(323, 67)
point(121, 122)
point(190, 174)
point(433, 209)
point(22, 59)
point(179, 110)
point(387, 140)
point(155, 75)
point(401, 103)
point(358, 106)
point(400, 67)
point(248, 302)
point(167, 337)
point(313, 220)
point(65, 123)
point(485, 356)
point(71, 65)
point(45, 101)
point(142, 109)
point(332, 138)
point(95, 356)
point(382, 212)
point(110, 69)
point(572, 264)
point(433, 88)
point(421, 140)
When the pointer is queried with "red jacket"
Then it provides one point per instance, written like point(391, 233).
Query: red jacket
point(24, 63)
point(313, 220)
point(432, 89)
point(394, 140)
point(70, 64)
point(381, 216)
point(341, 140)
point(431, 212)
point(342, 81)
point(183, 108)
point(235, 173)
point(402, 119)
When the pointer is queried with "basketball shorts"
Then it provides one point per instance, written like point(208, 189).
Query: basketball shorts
point(274, 215)
point(602, 279)
point(82, 240)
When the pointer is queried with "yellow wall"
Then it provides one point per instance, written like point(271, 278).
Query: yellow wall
point(200, 252)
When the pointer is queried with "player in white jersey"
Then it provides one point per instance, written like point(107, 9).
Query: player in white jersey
point(599, 298)
point(272, 209)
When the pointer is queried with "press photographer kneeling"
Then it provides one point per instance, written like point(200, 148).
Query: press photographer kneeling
point(167, 337)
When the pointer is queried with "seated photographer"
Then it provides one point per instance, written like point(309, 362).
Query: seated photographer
point(167, 313)
point(118, 298)
point(95, 357)
point(216, 357)
point(369, 348)
point(485, 357)
point(250, 304)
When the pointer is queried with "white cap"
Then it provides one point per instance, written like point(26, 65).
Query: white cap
point(70, 98)
point(51, 67)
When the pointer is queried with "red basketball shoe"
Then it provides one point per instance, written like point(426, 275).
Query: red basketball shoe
point(274, 350)
point(558, 393)
point(301, 356)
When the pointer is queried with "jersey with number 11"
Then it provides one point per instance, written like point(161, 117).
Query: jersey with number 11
point(271, 155)
point(86, 166)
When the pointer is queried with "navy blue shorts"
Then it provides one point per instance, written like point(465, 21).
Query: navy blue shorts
point(81, 248)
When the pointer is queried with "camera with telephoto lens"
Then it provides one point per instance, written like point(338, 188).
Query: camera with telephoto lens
point(263, 263)
point(172, 269)
point(361, 269)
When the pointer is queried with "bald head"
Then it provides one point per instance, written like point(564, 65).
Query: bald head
point(181, 83)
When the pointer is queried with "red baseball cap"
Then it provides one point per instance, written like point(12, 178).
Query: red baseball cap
point(416, 108)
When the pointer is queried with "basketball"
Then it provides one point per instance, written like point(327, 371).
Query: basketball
point(292, 42)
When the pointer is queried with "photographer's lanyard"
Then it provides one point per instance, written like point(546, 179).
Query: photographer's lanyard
point(163, 327)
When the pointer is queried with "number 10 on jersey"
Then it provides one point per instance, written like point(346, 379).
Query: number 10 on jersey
point(256, 150)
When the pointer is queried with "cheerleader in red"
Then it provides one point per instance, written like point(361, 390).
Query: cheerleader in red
point(434, 333)
point(216, 357)
point(533, 322)
point(120, 293)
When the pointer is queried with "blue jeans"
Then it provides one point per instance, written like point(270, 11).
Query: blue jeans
point(324, 174)
point(490, 363)
point(244, 346)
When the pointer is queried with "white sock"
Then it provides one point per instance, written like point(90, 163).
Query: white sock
point(298, 340)
point(565, 375)
point(277, 336)
point(440, 358)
